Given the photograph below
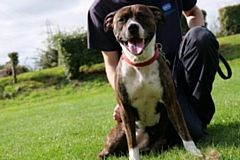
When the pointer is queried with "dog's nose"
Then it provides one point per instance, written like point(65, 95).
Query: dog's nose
point(133, 28)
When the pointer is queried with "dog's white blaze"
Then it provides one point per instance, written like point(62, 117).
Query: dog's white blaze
point(134, 154)
point(141, 30)
point(191, 147)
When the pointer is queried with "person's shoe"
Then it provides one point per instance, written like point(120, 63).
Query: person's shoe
point(206, 134)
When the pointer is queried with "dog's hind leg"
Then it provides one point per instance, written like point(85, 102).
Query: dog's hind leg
point(161, 143)
point(115, 144)
point(158, 141)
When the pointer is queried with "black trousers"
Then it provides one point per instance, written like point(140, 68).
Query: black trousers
point(193, 71)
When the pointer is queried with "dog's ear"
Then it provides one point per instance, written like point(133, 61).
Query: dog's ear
point(108, 21)
point(158, 14)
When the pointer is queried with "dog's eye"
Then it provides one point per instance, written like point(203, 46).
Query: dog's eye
point(122, 19)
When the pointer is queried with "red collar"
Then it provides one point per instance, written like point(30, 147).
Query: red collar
point(142, 64)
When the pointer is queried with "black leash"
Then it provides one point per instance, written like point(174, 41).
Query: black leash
point(229, 70)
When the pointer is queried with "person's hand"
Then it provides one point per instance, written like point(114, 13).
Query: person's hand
point(116, 114)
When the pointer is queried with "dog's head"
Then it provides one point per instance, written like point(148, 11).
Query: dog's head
point(134, 26)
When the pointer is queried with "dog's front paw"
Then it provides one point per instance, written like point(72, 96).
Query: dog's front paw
point(134, 158)
point(197, 153)
point(134, 154)
point(191, 147)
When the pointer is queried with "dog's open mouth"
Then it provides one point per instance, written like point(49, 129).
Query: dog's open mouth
point(135, 45)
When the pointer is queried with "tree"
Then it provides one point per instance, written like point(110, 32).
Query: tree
point(14, 62)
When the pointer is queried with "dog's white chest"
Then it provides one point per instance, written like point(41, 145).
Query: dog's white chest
point(144, 89)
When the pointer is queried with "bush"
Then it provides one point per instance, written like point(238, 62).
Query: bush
point(229, 20)
point(74, 53)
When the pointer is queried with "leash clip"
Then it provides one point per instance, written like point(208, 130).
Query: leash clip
point(162, 54)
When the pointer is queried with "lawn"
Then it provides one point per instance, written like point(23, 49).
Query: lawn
point(72, 121)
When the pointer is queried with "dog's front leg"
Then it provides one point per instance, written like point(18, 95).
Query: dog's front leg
point(130, 131)
point(176, 117)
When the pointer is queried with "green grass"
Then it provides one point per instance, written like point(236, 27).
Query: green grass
point(60, 127)
point(51, 119)
point(229, 47)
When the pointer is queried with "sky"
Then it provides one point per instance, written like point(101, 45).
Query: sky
point(23, 23)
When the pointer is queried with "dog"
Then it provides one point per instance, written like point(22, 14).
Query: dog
point(144, 86)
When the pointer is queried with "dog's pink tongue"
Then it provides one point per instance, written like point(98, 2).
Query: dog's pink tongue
point(136, 46)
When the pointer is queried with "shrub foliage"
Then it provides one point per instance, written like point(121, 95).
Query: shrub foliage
point(46, 58)
point(229, 20)
point(74, 53)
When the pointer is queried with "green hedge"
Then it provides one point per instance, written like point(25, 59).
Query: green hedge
point(74, 53)
point(229, 20)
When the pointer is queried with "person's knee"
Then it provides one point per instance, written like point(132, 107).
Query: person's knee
point(202, 36)
point(202, 41)
point(199, 34)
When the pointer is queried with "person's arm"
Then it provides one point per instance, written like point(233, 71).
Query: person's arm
point(194, 17)
point(111, 59)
